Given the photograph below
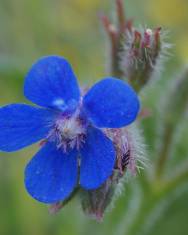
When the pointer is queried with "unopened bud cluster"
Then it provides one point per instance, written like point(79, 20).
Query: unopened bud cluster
point(139, 56)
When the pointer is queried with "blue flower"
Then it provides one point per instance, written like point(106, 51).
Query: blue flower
point(74, 149)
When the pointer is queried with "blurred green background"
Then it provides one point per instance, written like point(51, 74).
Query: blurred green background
point(34, 28)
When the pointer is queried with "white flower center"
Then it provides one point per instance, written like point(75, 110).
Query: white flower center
point(70, 128)
point(68, 132)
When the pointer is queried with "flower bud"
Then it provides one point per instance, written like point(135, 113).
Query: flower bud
point(141, 56)
point(95, 202)
point(129, 154)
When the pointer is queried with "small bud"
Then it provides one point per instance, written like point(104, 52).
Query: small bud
point(157, 39)
point(137, 40)
point(147, 38)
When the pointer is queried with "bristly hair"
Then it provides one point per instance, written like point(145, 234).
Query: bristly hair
point(138, 147)
point(130, 148)
point(137, 158)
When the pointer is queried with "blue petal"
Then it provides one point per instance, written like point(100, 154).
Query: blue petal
point(111, 103)
point(51, 83)
point(22, 125)
point(52, 174)
point(97, 159)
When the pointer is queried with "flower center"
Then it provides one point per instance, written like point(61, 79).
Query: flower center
point(69, 132)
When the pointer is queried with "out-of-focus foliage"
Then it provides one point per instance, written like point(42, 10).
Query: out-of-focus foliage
point(33, 28)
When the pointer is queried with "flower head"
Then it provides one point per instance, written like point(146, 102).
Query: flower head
point(74, 150)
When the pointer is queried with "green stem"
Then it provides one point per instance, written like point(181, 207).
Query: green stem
point(164, 152)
